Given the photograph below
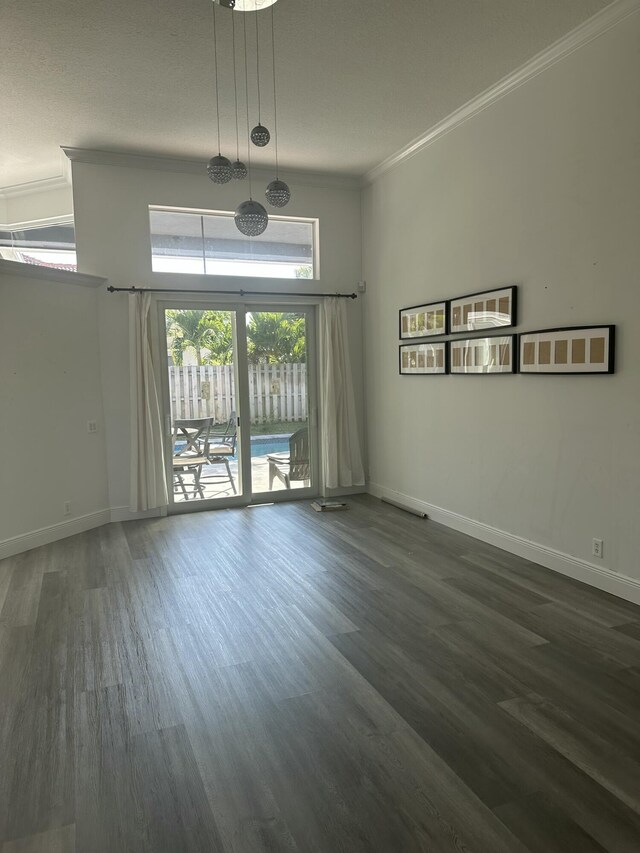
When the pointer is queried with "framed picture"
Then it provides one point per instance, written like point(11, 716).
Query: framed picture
point(496, 354)
point(423, 359)
point(574, 349)
point(422, 321)
point(487, 310)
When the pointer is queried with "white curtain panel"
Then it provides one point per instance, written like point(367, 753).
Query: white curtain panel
point(148, 475)
point(341, 456)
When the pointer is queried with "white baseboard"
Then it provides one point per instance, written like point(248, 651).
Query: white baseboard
point(345, 491)
point(123, 513)
point(617, 584)
point(46, 535)
point(54, 532)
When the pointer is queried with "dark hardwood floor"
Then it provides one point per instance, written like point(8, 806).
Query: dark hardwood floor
point(275, 679)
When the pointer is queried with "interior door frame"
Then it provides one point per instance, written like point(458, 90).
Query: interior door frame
point(241, 307)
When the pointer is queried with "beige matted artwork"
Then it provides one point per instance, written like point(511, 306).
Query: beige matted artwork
point(490, 309)
point(576, 349)
point(483, 355)
point(423, 321)
point(423, 359)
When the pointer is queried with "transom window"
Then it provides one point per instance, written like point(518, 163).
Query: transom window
point(43, 246)
point(209, 243)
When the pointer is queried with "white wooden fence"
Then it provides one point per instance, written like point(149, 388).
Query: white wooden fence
point(277, 392)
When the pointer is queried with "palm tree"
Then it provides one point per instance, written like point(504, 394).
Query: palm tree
point(275, 338)
point(188, 329)
point(220, 340)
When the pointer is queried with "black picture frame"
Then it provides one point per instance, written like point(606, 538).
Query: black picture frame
point(500, 367)
point(559, 339)
point(422, 309)
point(491, 312)
point(423, 346)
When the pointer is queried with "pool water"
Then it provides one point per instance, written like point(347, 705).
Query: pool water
point(263, 447)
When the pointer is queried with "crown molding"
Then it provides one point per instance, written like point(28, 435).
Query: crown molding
point(577, 38)
point(197, 167)
point(49, 274)
point(43, 185)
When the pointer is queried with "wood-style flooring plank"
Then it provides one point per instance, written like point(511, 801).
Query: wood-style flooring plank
point(545, 828)
point(277, 680)
point(588, 750)
point(22, 594)
point(38, 725)
point(150, 782)
point(62, 840)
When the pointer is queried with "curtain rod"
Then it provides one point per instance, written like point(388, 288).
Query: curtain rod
point(227, 292)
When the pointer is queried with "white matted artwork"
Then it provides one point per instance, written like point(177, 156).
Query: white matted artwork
point(577, 349)
point(423, 359)
point(423, 321)
point(487, 310)
point(483, 355)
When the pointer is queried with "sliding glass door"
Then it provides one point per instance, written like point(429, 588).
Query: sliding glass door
point(240, 406)
point(281, 428)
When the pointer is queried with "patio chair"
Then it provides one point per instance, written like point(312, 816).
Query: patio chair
point(294, 465)
point(188, 458)
point(220, 447)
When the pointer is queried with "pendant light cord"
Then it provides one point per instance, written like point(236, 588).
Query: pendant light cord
point(246, 86)
point(275, 101)
point(257, 59)
point(215, 59)
point(235, 83)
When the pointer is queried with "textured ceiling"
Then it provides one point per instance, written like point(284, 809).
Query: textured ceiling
point(357, 79)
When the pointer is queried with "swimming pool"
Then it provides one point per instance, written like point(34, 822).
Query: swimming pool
point(261, 445)
point(266, 444)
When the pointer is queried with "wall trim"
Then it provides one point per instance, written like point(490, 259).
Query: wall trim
point(577, 38)
point(197, 167)
point(52, 533)
point(605, 579)
point(57, 182)
point(123, 513)
point(49, 274)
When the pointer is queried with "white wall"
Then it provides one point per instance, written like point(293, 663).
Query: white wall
point(50, 380)
point(542, 190)
point(112, 231)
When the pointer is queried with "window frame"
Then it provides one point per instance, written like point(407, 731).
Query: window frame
point(35, 225)
point(229, 214)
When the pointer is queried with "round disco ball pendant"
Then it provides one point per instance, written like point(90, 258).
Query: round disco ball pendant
point(239, 170)
point(278, 194)
point(260, 136)
point(220, 170)
point(251, 218)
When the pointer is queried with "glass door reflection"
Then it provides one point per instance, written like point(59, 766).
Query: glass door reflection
point(204, 405)
point(278, 380)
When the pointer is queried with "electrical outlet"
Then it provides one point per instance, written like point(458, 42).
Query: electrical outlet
point(67, 507)
point(597, 547)
point(92, 426)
